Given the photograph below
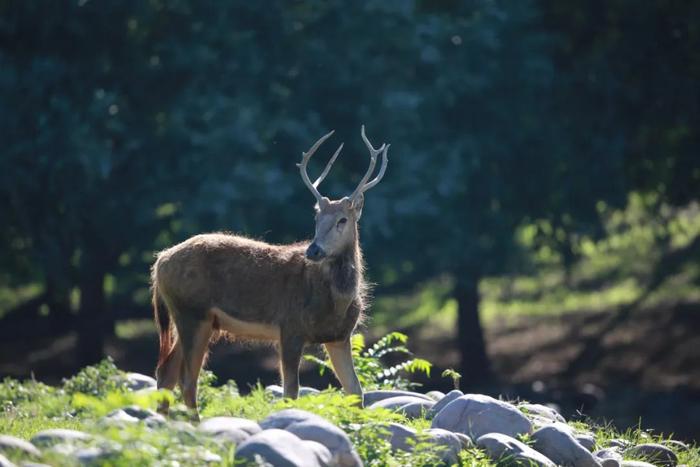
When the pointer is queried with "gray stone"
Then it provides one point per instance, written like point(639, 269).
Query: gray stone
point(610, 462)
point(276, 391)
point(137, 381)
point(512, 452)
point(5, 462)
point(677, 446)
point(370, 397)
point(435, 395)
point(230, 429)
point(655, 453)
point(449, 397)
point(286, 417)
point(33, 464)
point(541, 411)
point(10, 444)
point(399, 436)
point(330, 436)
point(134, 414)
point(283, 449)
point(608, 453)
point(587, 440)
point(476, 415)
point(91, 455)
point(307, 391)
point(466, 441)
point(411, 406)
point(619, 443)
point(449, 442)
point(58, 435)
point(636, 464)
point(561, 447)
point(416, 409)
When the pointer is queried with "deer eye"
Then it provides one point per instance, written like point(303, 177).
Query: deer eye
point(342, 221)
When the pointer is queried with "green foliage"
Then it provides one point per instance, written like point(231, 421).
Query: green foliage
point(35, 407)
point(454, 375)
point(371, 370)
point(97, 380)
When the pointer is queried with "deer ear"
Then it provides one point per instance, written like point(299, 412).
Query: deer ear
point(357, 205)
point(322, 203)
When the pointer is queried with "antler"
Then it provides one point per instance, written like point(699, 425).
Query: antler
point(364, 185)
point(305, 156)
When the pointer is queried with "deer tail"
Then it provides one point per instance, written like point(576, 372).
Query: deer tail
point(163, 324)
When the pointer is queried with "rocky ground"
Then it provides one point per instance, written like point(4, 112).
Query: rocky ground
point(320, 429)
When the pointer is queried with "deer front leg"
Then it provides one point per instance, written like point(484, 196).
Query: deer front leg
point(341, 358)
point(291, 348)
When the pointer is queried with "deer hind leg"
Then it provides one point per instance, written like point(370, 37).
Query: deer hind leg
point(194, 338)
point(168, 374)
point(291, 348)
point(341, 358)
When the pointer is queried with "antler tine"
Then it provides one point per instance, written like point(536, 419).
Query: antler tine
point(305, 156)
point(328, 166)
point(382, 169)
point(362, 186)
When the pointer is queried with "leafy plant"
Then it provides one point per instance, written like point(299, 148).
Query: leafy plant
point(371, 369)
point(97, 380)
point(451, 373)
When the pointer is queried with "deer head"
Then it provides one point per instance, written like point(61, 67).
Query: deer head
point(336, 221)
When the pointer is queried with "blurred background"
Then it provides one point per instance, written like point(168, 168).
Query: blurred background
point(538, 228)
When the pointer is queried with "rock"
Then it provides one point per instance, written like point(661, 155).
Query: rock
point(231, 429)
point(5, 462)
point(499, 446)
point(32, 464)
point(370, 397)
point(134, 414)
point(286, 417)
point(137, 381)
point(58, 435)
point(416, 409)
point(562, 448)
point(657, 454)
point(411, 406)
point(307, 391)
point(587, 440)
point(399, 435)
point(541, 411)
point(91, 455)
point(276, 391)
point(677, 446)
point(636, 464)
point(451, 444)
point(610, 462)
point(283, 449)
point(476, 415)
point(608, 453)
point(449, 397)
point(466, 441)
point(333, 438)
point(435, 395)
point(11, 445)
point(619, 443)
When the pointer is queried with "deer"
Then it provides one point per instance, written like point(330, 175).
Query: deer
point(311, 292)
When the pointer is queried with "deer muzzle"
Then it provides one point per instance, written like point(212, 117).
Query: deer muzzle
point(315, 252)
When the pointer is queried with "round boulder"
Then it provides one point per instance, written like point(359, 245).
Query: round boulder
point(12, 445)
point(499, 446)
point(657, 454)
point(330, 436)
point(370, 397)
point(476, 415)
point(283, 449)
point(58, 436)
point(231, 429)
point(560, 446)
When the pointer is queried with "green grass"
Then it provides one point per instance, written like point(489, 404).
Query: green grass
point(29, 407)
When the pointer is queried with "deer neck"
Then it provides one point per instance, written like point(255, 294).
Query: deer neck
point(345, 272)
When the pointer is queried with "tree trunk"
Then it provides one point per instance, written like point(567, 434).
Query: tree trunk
point(475, 365)
point(92, 322)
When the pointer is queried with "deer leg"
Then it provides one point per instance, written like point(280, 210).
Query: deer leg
point(195, 343)
point(341, 357)
point(168, 374)
point(291, 348)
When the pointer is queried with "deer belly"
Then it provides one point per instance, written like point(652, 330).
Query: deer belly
point(245, 329)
